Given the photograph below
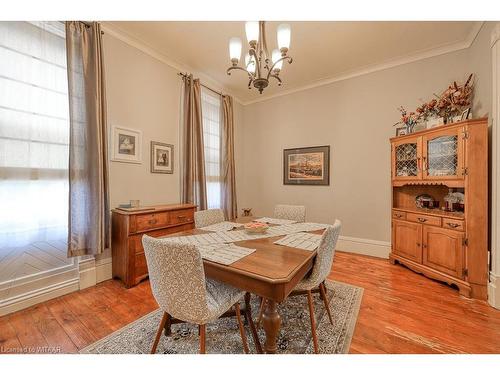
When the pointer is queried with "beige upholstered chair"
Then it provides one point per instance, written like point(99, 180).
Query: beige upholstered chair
point(208, 217)
point(288, 212)
point(316, 279)
point(179, 286)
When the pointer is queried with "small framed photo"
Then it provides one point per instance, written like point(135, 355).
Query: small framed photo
point(401, 131)
point(127, 144)
point(162, 157)
point(465, 115)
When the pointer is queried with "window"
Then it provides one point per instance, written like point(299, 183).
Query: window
point(34, 134)
point(211, 110)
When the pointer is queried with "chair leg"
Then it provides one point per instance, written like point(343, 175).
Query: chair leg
point(313, 321)
point(158, 334)
point(261, 311)
point(322, 291)
point(242, 329)
point(203, 332)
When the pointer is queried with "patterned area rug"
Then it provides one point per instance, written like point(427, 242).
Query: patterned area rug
point(223, 335)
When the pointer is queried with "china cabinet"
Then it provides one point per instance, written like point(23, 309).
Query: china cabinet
point(442, 241)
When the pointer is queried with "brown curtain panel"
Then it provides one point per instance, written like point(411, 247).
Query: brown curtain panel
point(228, 179)
point(193, 184)
point(89, 226)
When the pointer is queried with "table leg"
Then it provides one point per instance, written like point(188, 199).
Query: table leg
point(168, 326)
point(271, 322)
point(248, 314)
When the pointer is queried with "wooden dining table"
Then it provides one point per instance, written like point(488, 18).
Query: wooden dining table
point(271, 272)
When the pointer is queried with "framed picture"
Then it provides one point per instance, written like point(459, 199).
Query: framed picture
point(306, 166)
point(127, 144)
point(401, 131)
point(465, 114)
point(162, 157)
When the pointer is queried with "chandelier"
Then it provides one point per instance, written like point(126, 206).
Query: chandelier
point(259, 65)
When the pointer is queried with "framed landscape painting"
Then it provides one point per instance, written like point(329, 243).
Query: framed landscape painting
point(306, 166)
point(162, 157)
point(126, 145)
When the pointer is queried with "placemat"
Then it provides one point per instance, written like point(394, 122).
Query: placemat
point(304, 241)
point(224, 253)
point(223, 226)
point(272, 220)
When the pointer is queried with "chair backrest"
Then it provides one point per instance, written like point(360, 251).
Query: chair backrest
point(177, 278)
point(324, 257)
point(208, 217)
point(289, 212)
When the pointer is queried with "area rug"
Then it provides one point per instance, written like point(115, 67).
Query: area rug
point(223, 335)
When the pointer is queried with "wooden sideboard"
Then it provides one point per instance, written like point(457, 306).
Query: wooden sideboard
point(450, 246)
point(129, 261)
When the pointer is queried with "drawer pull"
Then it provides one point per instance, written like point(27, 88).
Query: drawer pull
point(154, 221)
point(421, 219)
point(181, 216)
point(398, 216)
point(453, 225)
point(418, 244)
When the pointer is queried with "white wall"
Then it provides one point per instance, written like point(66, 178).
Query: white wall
point(355, 118)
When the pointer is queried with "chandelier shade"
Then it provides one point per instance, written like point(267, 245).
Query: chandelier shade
point(260, 66)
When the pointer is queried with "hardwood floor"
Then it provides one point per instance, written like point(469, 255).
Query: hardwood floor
point(401, 312)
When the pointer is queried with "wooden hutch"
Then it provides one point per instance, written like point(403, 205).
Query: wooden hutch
point(450, 246)
point(128, 227)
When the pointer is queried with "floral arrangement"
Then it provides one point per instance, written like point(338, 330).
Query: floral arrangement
point(450, 103)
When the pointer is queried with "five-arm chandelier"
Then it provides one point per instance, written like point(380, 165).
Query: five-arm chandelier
point(259, 65)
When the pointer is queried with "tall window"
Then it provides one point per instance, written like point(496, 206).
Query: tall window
point(34, 133)
point(211, 110)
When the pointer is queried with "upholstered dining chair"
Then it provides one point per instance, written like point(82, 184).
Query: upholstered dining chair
point(181, 290)
point(289, 212)
point(315, 281)
point(208, 217)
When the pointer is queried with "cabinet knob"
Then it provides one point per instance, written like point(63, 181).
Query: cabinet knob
point(418, 244)
point(452, 225)
point(422, 220)
point(152, 221)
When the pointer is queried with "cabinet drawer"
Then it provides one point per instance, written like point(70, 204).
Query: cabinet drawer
point(136, 240)
point(424, 219)
point(400, 215)
point(181, 216)
point(151, 221)
point(454, 224)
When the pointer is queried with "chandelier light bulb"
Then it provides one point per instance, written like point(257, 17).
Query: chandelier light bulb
point(284, 35)
point(252, 31)
point(235, 50)
point(276, 55)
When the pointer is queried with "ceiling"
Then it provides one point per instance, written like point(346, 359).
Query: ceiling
point(320, 50)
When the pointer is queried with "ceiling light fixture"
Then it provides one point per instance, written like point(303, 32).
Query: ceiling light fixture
point(259, 65)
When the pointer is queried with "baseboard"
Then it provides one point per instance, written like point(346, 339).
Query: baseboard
point(93, 271)
point(494, 291)
point(103, 269)
point(374, 248)
point(43, 294)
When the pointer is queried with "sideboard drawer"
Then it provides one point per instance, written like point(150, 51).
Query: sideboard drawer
point(150, 221)
point(454, 224)
point(424, 219)
point(399, 215)
point(181, 216)
point(136, 239)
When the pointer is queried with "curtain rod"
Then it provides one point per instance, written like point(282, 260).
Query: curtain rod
point(185, 75)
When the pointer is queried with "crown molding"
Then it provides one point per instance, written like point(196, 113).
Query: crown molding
point(421, 55)
point(144, 47)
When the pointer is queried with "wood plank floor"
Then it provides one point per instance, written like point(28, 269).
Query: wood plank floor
point(401, 312)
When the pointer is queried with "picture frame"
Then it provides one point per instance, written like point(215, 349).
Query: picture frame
point(465, 114)
point(306, 166)
point(162, 157)
point(126, 145)
point(401, 131)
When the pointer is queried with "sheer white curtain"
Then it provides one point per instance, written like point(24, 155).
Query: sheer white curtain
point(211, 112)
point(34, 131)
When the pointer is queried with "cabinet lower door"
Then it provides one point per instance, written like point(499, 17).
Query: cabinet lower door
point(406, 240)
point(444, 250)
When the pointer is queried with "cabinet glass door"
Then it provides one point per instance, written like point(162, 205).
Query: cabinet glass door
point(443, 155)
point(406, 159)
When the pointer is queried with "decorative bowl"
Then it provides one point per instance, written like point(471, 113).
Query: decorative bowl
point(255, 227)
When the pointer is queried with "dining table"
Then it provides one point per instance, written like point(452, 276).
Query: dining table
point(272, 271)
